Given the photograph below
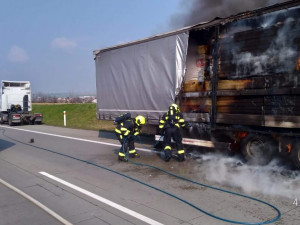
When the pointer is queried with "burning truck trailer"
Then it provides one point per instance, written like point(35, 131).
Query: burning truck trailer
point(236, 80)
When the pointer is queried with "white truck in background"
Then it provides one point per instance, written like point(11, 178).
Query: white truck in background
point(15, 104)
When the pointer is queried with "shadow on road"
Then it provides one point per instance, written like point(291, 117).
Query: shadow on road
point(5, 144)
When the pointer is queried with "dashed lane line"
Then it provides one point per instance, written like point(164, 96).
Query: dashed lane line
point(103, 200)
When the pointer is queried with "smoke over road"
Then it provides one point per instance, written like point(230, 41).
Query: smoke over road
point(196, 11)
point(272, 179)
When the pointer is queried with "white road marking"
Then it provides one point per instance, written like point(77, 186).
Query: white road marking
point(73, 138)
point(43, 207)
point(101, 199)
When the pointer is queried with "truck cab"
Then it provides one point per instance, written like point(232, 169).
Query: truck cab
point(15, 103)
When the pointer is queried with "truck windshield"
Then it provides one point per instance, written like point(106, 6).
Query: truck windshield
point(14, 84)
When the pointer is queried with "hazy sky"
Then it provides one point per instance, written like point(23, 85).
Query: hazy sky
point(51, 43)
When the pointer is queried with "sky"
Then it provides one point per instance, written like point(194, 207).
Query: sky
point(51, 43)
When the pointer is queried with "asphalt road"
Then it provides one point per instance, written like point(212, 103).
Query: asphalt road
point(82, 193)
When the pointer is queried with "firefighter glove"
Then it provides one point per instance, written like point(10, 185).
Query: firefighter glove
point(188, 125)
point(161, 131)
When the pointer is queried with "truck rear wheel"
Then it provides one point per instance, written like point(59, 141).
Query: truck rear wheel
point(258, 149)
point(1, 118)
point(295, 154)
point(10, 123)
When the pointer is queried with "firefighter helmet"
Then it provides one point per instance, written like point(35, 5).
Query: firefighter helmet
point(175, 106)
point(140, 120)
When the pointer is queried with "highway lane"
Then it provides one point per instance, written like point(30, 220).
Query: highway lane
point(15, 209)
point(21, 163)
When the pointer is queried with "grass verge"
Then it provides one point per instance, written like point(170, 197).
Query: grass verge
point(81, 116)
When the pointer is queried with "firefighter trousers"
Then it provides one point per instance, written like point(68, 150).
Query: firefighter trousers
point(173, 132)
point(127, 145)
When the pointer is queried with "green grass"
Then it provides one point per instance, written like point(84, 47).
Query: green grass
point(81, 116)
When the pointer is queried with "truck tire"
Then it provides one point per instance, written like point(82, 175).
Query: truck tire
point(258, 149)
point(10, 123)
point(1, 118)
point(295, 154)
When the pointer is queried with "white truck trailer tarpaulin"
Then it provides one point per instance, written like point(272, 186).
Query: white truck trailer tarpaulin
point(142, 78)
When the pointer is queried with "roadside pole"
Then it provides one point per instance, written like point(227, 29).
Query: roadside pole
point(65, 118)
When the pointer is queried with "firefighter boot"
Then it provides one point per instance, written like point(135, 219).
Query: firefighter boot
point(180, 155)
point(134, 155)
point(122, 158)
point(180, 158)
point(168, 155)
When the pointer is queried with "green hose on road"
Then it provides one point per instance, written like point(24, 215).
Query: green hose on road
point(211, 187)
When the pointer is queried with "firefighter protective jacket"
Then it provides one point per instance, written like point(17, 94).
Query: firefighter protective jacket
point(171, 118)
point(127, 127)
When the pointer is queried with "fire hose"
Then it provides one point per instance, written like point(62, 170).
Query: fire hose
point(165, 192)
point(207, 186)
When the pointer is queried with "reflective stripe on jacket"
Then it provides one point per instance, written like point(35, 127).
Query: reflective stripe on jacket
point(127, 127)
point(170, 119)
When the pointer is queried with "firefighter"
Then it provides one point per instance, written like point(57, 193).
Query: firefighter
point(126, 130)
point(169, 126)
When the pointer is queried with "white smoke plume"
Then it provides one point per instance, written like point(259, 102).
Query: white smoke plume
point(279, 57)
point(271, 180)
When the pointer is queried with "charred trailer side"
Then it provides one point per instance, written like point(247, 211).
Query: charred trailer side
point(247, 88)
point(15, 104)
point(236, 80)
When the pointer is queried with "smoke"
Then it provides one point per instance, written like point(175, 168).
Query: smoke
point(272, 179)
point(279, 57)
point(196, 11)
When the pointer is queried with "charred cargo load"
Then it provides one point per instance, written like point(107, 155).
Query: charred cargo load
point(15, 104)
point(237, 79)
